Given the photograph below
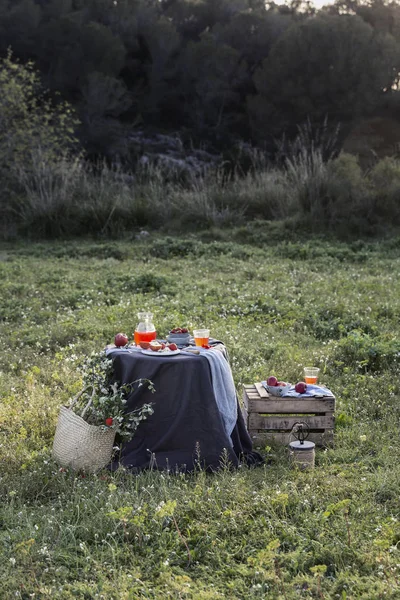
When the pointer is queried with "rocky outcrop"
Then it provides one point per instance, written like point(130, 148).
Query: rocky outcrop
point(171, 154)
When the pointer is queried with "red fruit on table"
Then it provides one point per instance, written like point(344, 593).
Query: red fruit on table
point(121, 339)
point(173, 347)
point(109, 422)
point(272, 381)
point(300, 387)
point(282, 384)
point(184, 330)
point(155, 346)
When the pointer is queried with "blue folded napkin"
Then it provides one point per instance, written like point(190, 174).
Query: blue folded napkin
point(312, 391)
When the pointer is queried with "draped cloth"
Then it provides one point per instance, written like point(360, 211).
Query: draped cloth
point(187, 429)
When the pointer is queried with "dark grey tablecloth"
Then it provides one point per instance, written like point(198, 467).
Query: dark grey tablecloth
point(186, 428)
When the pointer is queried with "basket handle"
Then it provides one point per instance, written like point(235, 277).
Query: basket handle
point(89, 403)
point(79, 394)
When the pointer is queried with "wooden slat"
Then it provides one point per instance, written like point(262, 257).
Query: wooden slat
point(261, 390)
point(260, 422)
point(291, 405)
point(250, 388)
point(245, 400)
point(260, 439)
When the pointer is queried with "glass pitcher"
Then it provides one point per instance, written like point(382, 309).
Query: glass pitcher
point(145, 330)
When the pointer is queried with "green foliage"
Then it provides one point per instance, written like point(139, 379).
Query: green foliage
point(385, 178)
point(341, 54)
point(367, 354)
point(215, 70)
point(30, 122)
point(210, 73)
point(148, 282)
point(102, 398)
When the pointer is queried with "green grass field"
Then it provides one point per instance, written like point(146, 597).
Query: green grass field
point(267, 533)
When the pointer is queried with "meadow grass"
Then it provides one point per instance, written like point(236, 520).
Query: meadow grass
point(268, 532)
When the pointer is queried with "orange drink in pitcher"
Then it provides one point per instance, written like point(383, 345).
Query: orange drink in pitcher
point(144, 336)
point(145, 330)
point(311, 375)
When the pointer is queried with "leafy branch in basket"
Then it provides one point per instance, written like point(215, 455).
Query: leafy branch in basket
point(102, 400)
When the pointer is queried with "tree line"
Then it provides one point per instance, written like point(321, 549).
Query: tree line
point(214, 70)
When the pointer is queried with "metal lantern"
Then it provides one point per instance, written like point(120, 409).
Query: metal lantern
point(301, 451)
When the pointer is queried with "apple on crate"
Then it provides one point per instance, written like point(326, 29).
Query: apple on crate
point(300, 387)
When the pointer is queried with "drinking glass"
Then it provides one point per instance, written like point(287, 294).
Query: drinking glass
point(201, 337)
point(311, 375)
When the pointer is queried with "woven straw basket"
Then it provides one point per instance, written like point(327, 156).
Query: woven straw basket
point(79, 445)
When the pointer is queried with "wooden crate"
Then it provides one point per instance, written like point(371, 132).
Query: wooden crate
point(269, 418)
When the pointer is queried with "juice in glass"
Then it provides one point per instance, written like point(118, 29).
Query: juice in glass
point(201, 337)
point(311, 375)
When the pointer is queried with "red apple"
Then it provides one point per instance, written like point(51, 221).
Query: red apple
point(121, 339)
point(109, 422)
point(184, 330)
point(300, 387)
point(282, 383)
point(272, 381)
point(173, 347)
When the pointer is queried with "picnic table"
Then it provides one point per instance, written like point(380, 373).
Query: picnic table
point(187, 429)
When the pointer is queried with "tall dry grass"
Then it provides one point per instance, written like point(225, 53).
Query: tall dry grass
point(70, 197)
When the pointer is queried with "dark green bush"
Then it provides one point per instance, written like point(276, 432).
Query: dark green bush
point(148, 282)
point(365, 353)
point(333, 322)
point(170, 247)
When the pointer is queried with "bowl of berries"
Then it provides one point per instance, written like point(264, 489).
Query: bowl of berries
point(179, 336)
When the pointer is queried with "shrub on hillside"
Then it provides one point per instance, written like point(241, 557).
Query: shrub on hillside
point(36, 137)
point(366, 353)
point(29, 120)
point(385, 181)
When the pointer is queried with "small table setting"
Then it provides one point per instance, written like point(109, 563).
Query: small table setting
point(197, 421)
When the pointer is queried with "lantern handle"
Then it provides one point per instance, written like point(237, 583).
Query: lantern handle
point(300, 431)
